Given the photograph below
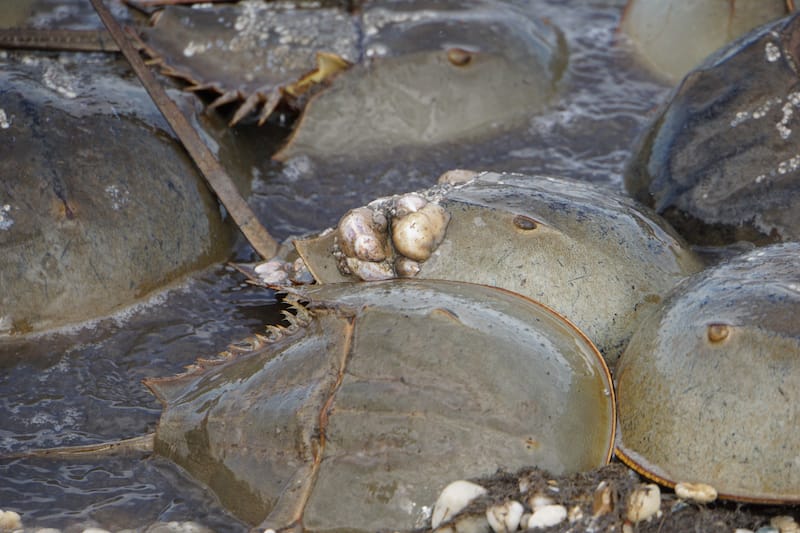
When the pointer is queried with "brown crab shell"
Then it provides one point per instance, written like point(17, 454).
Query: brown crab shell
point(389, 391)
point(709, 386)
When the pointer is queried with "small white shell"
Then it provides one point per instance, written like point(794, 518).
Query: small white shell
point(454, 498)
point(505, 517)
point(785, 524)
point(697, 492)
point(644, 502)
point(603, 501)
point(9, 521)
point(539, 500)
point(417, 234)
point(546, 516)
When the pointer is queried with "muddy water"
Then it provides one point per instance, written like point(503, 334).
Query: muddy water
point(83, 386)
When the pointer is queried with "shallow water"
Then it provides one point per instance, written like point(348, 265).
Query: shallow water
point(84, 386)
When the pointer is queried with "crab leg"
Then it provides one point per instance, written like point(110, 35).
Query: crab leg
point(216, 177)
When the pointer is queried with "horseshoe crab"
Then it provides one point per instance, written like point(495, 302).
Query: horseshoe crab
point(708, 387)
point(720, 162)
point(591, 255)
point(674, 37)
point(87, 225)
point(424, 72)
point(254, 53)
point(377, 395)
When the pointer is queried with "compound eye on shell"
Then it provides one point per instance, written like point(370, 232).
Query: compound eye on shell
point(525, 223)
point(459, 57)
point(718, 332)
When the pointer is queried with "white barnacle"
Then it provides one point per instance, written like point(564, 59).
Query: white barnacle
point(4, 122)
point(741, 116)
point(194, 48)
point(772, 52)
point(409, 203)
point(790, 165)
point(5, 217)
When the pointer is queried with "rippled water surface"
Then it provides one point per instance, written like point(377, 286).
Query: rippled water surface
point(84, 386)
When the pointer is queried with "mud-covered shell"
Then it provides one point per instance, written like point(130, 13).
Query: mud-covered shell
point(592, 255)
point(709, 387)
point(393, 390)
point(720, 161)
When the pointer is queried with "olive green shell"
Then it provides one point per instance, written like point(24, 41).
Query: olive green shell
point(435, 72)
point(87, 222)
point(674, 37)
point(709, 387)
point(358, 419)
point(423, 71)
point(594, 256)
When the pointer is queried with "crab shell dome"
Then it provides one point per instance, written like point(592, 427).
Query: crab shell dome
point(709, 386)
point(358, 418)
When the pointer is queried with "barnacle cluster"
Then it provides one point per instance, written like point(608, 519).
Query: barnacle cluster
point(390, 237)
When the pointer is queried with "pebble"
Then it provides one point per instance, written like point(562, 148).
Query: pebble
point(547, 516)
point(644, 502)
point(454, 498)
point(696, 492)
point(505, 517)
